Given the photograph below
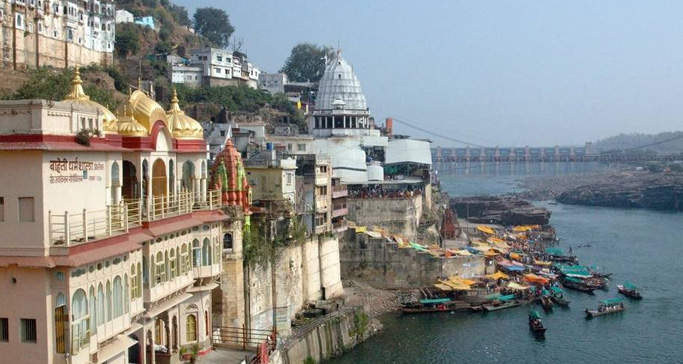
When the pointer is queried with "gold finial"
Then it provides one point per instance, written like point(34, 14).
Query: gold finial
point(77, 92)
point(175, 107)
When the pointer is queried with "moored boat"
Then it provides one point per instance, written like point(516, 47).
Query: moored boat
point(431, 305)
point(535, 323)
point(629, 290)
point(576, 284)
point(607, 306)
point(501, 303)
point(557, 295)
point(547, 302)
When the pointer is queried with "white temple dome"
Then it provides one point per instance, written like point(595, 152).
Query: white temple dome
point(339, 83)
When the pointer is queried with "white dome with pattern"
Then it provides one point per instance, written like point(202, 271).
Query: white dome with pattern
point(339, 88)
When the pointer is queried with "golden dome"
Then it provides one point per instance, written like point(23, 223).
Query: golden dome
point(128, 126)
point(78, 97)
point(145, 110)
point(182, 126)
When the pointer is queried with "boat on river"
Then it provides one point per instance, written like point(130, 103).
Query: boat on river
point(557, 295)
point(558, 255)
point(629, 290)
point(535, 323)
point(501, 303)
point(430, 305)
point(606, 307)
point(577, 284)
point(546, 302)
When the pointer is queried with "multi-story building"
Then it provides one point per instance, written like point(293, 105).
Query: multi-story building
point(314, 195)
point(339, 204)
point(124, 16)
point(62, 33)
point(273, 82)
point(218, 67)
point(111, 238)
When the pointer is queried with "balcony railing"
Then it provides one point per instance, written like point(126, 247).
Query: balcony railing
point(339, 210)
point(70, 229)
point(339, 191)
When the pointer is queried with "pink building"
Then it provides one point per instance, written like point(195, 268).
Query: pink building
point(110, 240)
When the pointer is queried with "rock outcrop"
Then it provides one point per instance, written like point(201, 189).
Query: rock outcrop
point(504, 210)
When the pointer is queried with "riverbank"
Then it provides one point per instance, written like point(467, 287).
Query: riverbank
point(622, 189)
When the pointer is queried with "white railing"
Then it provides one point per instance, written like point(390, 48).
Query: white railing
point(70, 229)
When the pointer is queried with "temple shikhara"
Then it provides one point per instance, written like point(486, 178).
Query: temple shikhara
point(113, 237)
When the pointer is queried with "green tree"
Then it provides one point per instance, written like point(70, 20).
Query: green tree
point(306, 62)
point(127, 40)
point(214, 24)
point(180, 15)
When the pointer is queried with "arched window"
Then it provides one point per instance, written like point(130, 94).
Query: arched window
point(139, 290)
point(172, 260)
point(93, 308)
point(160, 268)
point(152, 272)
point(133, 282)
point(79, 305)
point(126, 295)
point(178, 262)
point(118, 297)
point(158, 331)
point(80, 321)
point(216, 251)
point(196, 253)
point(191, 328)
point(227, 241)
point(109, 303)
point(145, 271)
point(206, 252)
point(185, 258)
point(100, 305)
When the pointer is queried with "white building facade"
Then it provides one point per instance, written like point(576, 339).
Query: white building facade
point(111, 239)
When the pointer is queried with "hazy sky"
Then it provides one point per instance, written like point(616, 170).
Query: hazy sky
point(506, 73)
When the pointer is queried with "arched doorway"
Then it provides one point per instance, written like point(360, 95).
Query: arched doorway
point(188, 175)
point(159, 184)
point(175, 333)
point(115, 183)
point(130, 189)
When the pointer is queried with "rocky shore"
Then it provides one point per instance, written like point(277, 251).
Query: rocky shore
point(503, 210)
point(379, 301)
point(625, 189)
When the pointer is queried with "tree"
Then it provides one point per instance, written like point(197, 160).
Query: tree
point(127, 40)
point(214, 25)
point(179, 13)
point(307, 62)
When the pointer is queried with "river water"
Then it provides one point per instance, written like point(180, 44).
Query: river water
point(644, 247)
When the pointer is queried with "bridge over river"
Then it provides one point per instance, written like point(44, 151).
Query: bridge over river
point(535, 159)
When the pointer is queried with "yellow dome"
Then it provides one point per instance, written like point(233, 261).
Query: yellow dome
point(128, 126)
point(182, 126)
point(78, 97)
point(145, 110)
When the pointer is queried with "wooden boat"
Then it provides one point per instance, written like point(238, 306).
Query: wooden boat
point(501, 303)
point(607, 306)
point(535, 323)
point(430, 306)
point(546, 302)
point(577, 285)
point(557, 295)
point(629, 290)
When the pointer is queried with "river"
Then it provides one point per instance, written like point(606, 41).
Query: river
point(644, 247)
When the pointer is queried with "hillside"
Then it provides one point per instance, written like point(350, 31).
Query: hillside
point(654, 142)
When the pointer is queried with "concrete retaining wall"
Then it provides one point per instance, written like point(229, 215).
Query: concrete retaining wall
point(398, 216)
point(329, 337)
point(383, 265)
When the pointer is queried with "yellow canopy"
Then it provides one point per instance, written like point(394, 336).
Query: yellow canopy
point(361, 229)
point(443, 287)
point(468, 282)
point(491, 253)
point(458, 284)
point(462, 252)
point(517, 286)
point(542, 262)
point(486, 229)
point(498, 275)
point(495, 240)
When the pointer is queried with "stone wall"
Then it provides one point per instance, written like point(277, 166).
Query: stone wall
point(329, 337)
point(302, 273)
point(384, 265)
point(29, 50)
point(398, 216)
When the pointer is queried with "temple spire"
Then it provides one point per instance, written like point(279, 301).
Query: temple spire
point(77, 92)
point(175, 107)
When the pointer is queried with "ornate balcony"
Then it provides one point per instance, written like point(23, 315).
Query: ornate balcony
point(69, 229)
